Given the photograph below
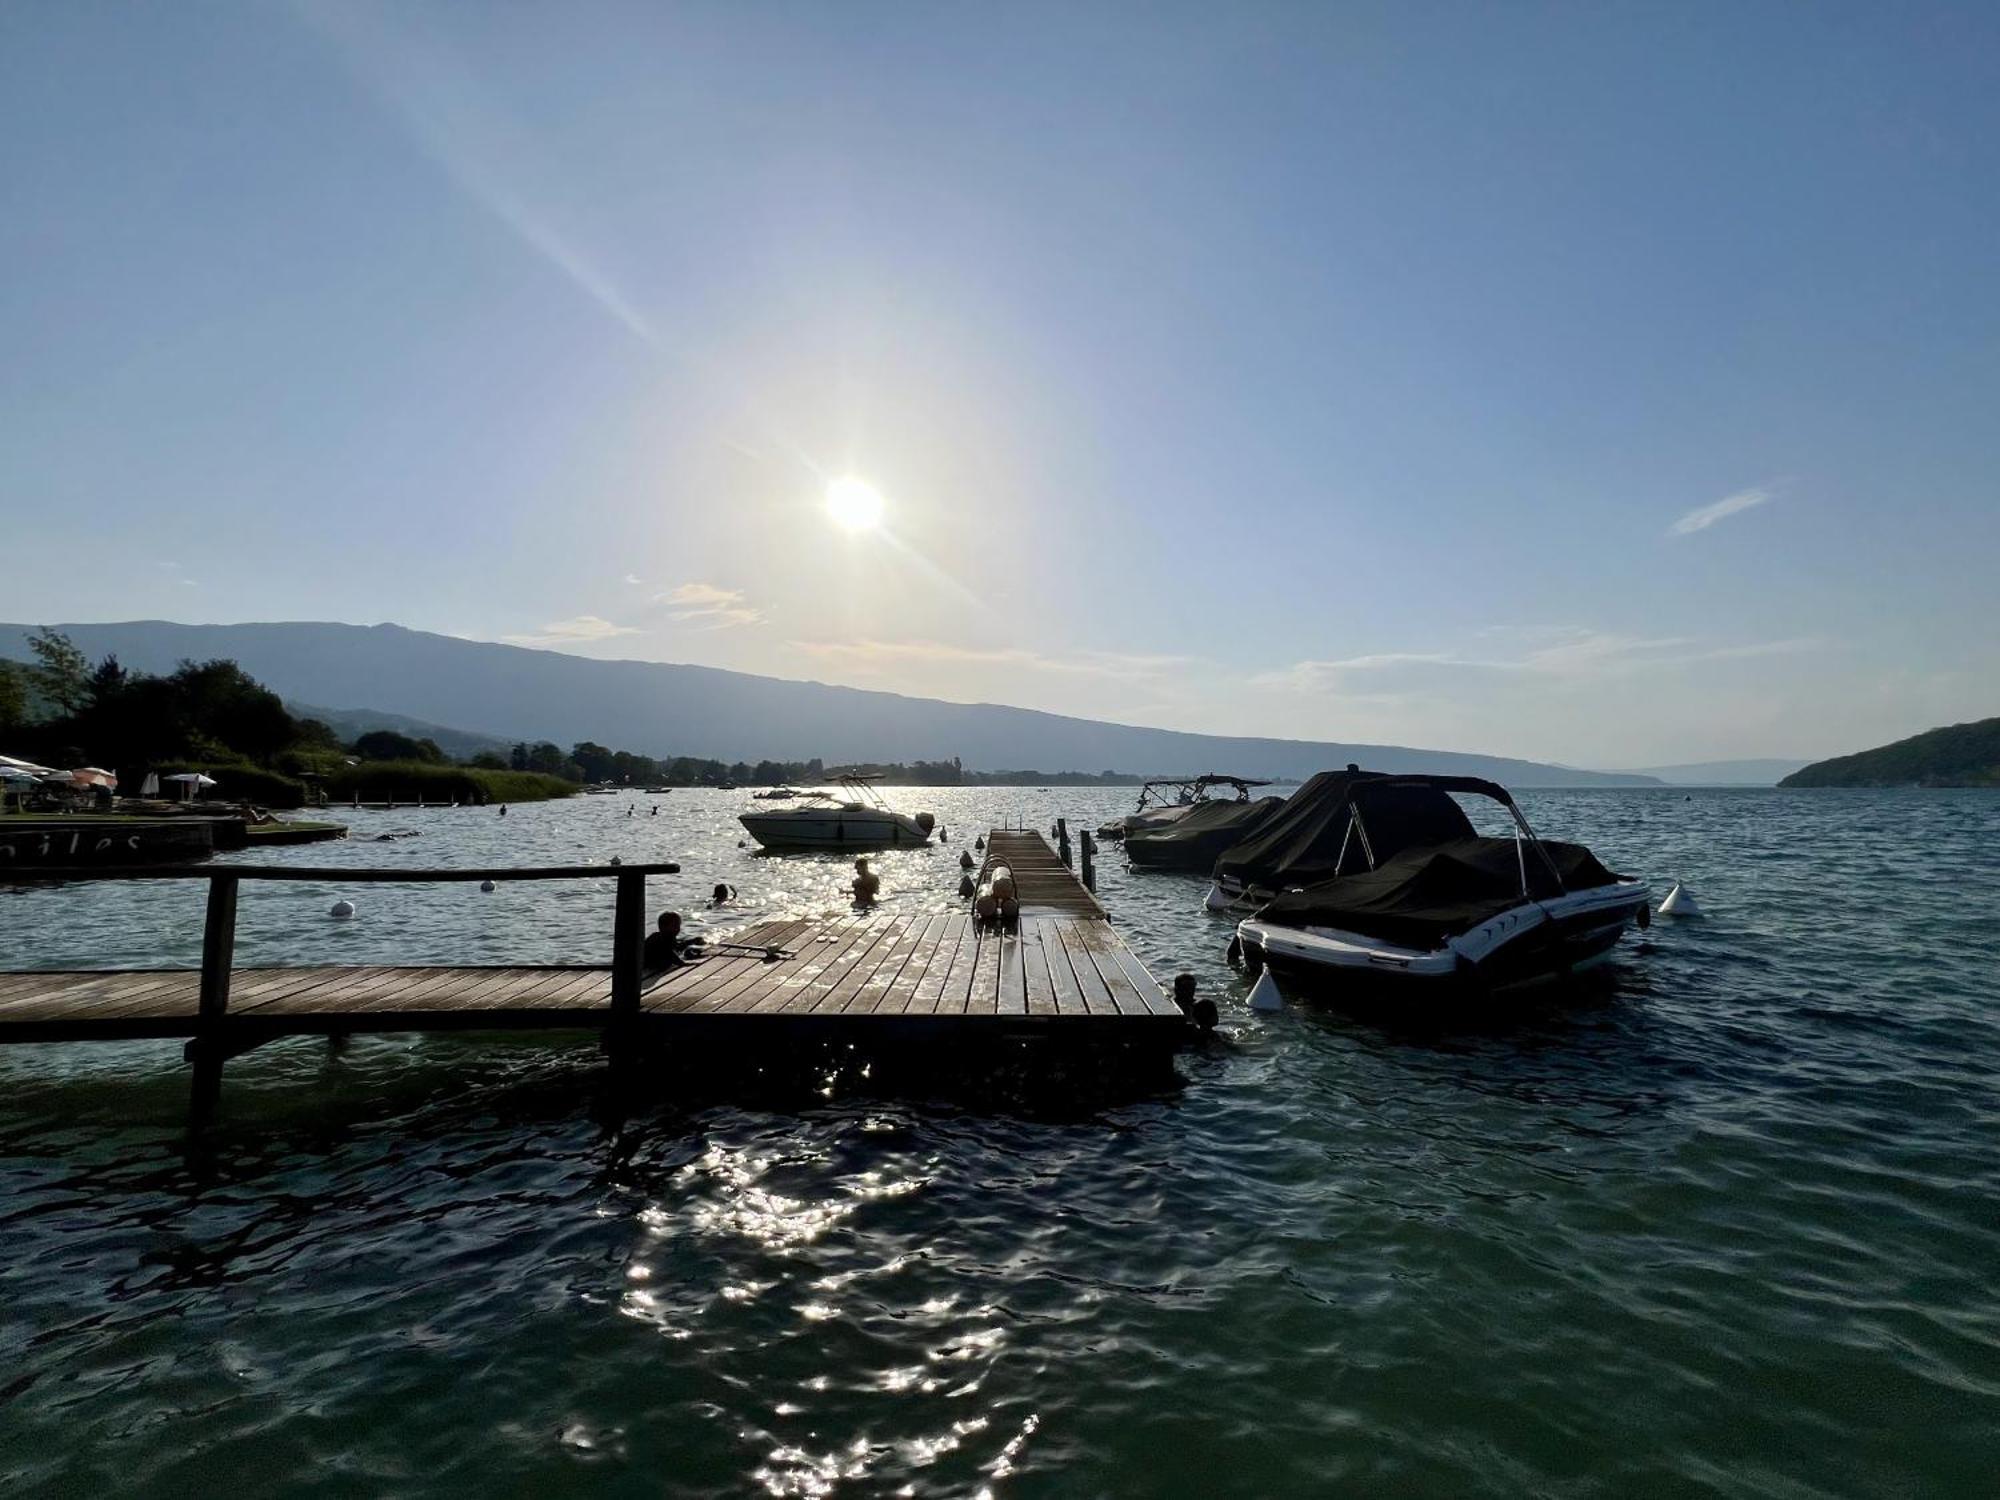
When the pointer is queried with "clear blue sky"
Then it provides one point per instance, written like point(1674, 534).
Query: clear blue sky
point(1617, 384)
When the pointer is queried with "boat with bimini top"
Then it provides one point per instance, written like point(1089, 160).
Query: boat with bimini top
point(856, 818)
point(1381, 881)
point(1168, 799)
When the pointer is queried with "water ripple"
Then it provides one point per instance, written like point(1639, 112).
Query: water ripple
point(1722, 1225)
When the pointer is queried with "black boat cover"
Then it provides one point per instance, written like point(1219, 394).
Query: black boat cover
point(1192, 841)
point(1423, 896)
point(1303, 843)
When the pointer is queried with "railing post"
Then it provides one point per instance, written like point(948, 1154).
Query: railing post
point(628, 938)
point(1062, 841)
point(218, 958)
point(1089, 863)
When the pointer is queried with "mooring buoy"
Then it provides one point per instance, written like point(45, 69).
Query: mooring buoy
point(1680, 902)
point(487, 886)
point(342, 911)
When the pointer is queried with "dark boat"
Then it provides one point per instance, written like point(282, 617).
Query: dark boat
point(1196, 839)
point(1338, 823)
point(1380, 882)
point(1168, 799)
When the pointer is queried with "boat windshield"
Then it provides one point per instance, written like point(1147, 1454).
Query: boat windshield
point(1186, 791)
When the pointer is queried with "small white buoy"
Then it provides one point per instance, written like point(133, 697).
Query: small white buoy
point(1264, 993)
point(486, 886)
point(616, 860)
point(342, 911)
point(1680, 902)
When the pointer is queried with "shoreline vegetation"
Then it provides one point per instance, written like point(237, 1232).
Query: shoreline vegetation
point(213, 718)
point(1957, 755)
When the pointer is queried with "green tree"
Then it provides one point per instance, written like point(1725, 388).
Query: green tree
point(598, 763)
point(107, 681)
point(226, 706)
point(61, 674)
point(548, 758)
point(317, 734)
point(387, 744)
point(489, 760)
point(13, 696)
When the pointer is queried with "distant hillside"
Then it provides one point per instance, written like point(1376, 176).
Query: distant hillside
point(1764, 772)
point(351, 723)
point(1959, 755)
point(657, 708)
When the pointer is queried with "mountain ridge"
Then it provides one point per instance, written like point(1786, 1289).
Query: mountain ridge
point(1966, 755)
point(670, 708)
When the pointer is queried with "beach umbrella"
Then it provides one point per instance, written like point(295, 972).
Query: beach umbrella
point(189, 781)
point(92, 776)
point(29, 766)
point(150, 787)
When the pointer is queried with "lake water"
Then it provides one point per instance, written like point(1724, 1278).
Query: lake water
point(1728, 1223)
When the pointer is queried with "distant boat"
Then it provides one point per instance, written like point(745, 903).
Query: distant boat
point(1171, 798)
point(779, 794)
point(1193, 841)
point(658, 791)
point(858, 820)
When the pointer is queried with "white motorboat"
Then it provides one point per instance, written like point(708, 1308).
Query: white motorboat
point(1385, 885)
point(854, 818)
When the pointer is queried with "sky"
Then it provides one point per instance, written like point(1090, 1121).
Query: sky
point(1613, 384)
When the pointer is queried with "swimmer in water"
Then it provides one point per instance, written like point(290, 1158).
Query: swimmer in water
point(867, 884)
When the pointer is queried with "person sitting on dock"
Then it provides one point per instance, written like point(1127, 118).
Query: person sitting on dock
point(867, 884)
point(665, 949)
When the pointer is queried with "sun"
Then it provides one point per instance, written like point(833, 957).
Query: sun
point(854, 504)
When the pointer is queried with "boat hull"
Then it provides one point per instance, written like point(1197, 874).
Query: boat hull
point(834, 828)
point(1532, 944)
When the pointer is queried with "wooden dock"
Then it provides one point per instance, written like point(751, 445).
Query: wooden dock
point(918, 976)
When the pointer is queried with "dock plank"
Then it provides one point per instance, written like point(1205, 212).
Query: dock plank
point(918, 949)
point(954, 943)
point(1038, 981)
point(983, 995)
point(1012, 999)
point(1097, 997)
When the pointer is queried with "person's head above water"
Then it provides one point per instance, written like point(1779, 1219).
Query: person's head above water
point(670, 922)
point(861, 865)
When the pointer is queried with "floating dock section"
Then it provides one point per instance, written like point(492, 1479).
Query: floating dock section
point(919, 975)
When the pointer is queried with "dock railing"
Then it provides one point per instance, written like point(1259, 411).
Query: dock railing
point(218, 937)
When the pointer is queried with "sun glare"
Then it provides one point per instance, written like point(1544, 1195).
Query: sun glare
point(854, 504)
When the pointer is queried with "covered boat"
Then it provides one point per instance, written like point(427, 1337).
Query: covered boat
point(1462, 910)
point(1337, 823)
point(1169, 799)
point(1193, 841)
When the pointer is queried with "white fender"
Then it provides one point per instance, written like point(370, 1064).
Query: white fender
point(1264, 993)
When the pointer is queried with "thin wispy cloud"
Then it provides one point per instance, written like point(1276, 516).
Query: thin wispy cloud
point(578, 631)
point(1567, 654)
point(875, 655)
point(1704, 516)
point(634, 578)
point(705, 603)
